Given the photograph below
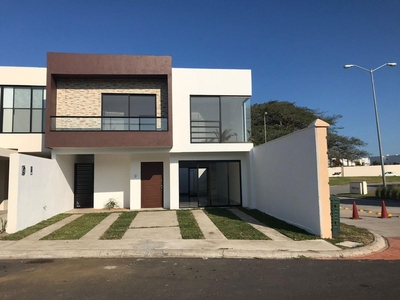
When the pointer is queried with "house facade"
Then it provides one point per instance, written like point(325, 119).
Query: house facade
point(132, 129)
point(88, 129)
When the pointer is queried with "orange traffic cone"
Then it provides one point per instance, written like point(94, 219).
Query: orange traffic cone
point(384, 213)
point(355, 212)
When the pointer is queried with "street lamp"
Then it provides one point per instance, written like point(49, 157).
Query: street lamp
point(265, 127)
point(371, 71)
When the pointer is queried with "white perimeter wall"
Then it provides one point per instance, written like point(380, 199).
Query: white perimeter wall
point(213, 82)
point(364, 170)
point(45, 193)
point(287, 182)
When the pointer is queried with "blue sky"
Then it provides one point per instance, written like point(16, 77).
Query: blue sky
point(295, 49)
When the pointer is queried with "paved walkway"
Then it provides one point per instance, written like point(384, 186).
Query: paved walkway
point(157, 234)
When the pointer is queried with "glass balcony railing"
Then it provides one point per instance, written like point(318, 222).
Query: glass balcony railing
point(75, 123)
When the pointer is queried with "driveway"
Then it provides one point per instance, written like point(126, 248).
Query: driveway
point(370, 219)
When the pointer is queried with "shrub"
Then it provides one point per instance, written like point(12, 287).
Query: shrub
point(378, 192)
point(395, 194)
point(387, 192)
point(112, 203)
point(3, 225)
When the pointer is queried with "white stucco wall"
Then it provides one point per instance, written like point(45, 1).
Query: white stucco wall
point(111, 179)
point(29, 142)
point(213, 82)
point(286, 181)
point(45, 193)
point(23, 76)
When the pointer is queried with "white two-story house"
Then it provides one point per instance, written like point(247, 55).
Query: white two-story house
point(133, 129)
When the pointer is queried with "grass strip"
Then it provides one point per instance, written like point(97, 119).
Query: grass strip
point(188, 225)
point(77, 228)
point(232, 227)
point(291, 231)
point(353, 234)
point(350, 195)
point(368, 179)
point(35, 228)
point(117, 229)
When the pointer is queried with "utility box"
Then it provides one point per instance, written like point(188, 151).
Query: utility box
point(335, 215)
point(359, 188)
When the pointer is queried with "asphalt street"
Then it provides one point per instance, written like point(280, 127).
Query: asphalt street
point(198, 279)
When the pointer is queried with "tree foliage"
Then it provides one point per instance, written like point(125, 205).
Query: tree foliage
point(285, 117)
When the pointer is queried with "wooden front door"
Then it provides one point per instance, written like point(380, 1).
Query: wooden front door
point(152, 184)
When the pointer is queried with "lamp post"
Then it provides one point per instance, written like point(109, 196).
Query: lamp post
point(265, 127)
point(371, 72)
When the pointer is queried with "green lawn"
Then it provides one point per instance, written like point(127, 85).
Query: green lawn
point(78, 228)
point(117, 229)
point(289, 230)
point(369, 179)
point(39, 226)
point(353, 234)
point(371, 196)
point(188, 225)
point(232, 227)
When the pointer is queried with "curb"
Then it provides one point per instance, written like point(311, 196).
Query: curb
point(379, 244)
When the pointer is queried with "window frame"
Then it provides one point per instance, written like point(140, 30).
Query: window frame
point(31, 108)
point(220, 118)
point(129, 111)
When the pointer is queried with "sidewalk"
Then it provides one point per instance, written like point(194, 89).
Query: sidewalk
point(156, 234)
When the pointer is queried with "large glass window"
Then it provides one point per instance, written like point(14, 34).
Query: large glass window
point(220, 119)
point(22, 109)
point(129, 112)
point(209, 183)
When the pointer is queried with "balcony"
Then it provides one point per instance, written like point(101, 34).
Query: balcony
point(80, 123)
point(108, 132)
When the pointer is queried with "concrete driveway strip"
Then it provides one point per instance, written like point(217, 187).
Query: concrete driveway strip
point(97, 231)
point(46, 231)
point(159, 225)
point(155, 219)
point(268, 231)
point(153, 233)
point(210, 231)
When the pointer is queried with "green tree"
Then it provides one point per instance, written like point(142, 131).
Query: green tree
point(285, 117)
point(346, 147)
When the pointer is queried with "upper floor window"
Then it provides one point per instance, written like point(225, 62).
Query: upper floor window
point(130, 112)
point(220, 119)
point(22, 109)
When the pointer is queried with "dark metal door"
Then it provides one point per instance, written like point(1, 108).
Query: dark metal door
point(84, 182)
